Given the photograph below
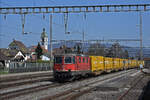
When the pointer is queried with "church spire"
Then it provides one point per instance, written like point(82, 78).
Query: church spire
point(44, 39)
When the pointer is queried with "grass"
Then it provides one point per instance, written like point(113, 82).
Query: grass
point(3, 72)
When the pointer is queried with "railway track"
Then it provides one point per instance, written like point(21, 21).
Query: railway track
point(19, 92)
point(69, 94)
point(23, 76)
point(4, 85)
point(12, 81)
point(134, 85)
point(11, 87)
point(73, 93)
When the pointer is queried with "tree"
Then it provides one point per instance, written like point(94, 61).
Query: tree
point(77, 48)
point(126, 54)
point(39, 51)
point(96, 49)
point(115, 51)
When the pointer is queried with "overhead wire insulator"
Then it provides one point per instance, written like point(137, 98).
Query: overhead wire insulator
point(43, 16)
point(23, 22)
point(66, 23)
point(5, 17)
point(84, 15)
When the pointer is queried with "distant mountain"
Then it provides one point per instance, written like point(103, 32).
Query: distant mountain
point(131, 50)
point(136, 51)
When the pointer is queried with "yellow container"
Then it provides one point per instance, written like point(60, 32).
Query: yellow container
point(138, 63)
point(126, 63)
point(116, 63)
point(129, 63)
point(108, 63)
point(97, 63)
point(121, 63)
point(135, 63)
point(143, 63)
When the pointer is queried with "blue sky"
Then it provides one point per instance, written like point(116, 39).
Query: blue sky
point(97, 25)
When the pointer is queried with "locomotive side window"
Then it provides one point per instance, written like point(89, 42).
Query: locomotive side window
point(73, 60)
point(68, 60)
point(83, 60)
point(58, 60)
point(79, 59)
point(86, 60)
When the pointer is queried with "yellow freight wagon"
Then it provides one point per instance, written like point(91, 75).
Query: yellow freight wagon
point(121, 63)
point(138, 63)
point(126, 63)
point(133, 63)
point(97, 64)
point(108, 64)
point(129, 63)
point(116, 63)
point(143, 63)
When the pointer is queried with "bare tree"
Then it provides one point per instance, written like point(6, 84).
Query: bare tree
point(96, 49)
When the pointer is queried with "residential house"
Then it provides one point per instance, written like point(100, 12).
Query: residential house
point(8, 55)
point(19, 46)
point(4, 60)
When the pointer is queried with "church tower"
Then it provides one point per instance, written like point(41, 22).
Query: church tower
point(44, 39)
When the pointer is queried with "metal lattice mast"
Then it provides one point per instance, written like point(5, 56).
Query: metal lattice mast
point(51, 47)
point(141, 38)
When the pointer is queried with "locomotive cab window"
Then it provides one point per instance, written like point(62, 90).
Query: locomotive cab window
point(58, 60)
point(73, 59)
point(68, 60)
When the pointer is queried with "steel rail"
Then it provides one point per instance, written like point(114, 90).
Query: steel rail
point(67, 92)
point(25, 91)
point(5, 85)
point(135, 83)
point(22, 77)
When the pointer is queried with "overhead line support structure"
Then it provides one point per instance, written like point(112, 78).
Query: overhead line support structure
point(75, 9)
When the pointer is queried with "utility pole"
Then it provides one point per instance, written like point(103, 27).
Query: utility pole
point(51, 37)
point(141, 38)
point(83, 42)
point(83, 34)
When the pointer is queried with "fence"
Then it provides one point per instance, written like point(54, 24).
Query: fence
point(17, 67)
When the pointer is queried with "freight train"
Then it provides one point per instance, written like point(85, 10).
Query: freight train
point(73, 66)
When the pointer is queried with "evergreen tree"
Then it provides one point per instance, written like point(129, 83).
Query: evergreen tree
point(38, 51)
point(126, 54)
point(78, 49)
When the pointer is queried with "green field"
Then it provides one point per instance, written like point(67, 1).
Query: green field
point(3, 72)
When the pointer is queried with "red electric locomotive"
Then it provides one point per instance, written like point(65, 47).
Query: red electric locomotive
point(70, 66)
